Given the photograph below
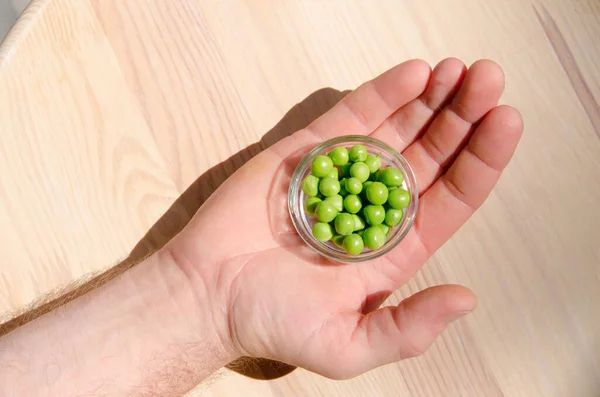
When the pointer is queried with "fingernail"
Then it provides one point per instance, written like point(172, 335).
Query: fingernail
point(455, 316)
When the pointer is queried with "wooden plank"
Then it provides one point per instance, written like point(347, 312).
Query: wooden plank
point(112, 109)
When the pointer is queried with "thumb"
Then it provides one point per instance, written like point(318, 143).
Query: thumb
point(393, 333)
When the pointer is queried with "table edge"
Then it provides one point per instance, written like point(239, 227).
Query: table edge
point(20, 28)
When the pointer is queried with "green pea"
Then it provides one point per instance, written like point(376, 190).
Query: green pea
point(310, 185)
point(321, 165)
point(360, 171)
point(343, 191)
point(399, 199)
point(339, 155)
point(338, 241)
point(325, 212)
point(345, 169)
point(352, 203)
point(329, 187)
point(359, 223)
point(337, 201)
point(385, 228)
point(353, 244)
point(353, 185)
point(373, 162)
point(344, 224)
point(391, 177)
point(393, 217)
point(322, 231)
point(358, 153)
point(377, 193)
point(374, 237)
point(374, 214)
point(360, 233)
point(310, 205)
point(334, 173)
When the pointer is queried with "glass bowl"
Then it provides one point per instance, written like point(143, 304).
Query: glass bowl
point(303, 222)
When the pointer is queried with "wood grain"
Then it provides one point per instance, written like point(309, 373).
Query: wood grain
point(112, 109)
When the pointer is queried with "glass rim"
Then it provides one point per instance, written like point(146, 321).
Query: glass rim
point(299, 218)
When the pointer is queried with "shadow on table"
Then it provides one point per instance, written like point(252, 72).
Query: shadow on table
point(179, 214)
point(182, 210)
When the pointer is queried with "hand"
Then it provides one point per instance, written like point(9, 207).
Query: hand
point(270, 296)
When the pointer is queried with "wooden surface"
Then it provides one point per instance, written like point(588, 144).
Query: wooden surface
point(110, 109)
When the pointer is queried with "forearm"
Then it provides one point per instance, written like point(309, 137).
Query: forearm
point(147, 332)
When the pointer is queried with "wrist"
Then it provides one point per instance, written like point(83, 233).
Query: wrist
point(198, 301)
point(185, 310)
point(148, 327)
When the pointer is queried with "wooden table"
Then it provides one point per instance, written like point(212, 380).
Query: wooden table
point(110, 109)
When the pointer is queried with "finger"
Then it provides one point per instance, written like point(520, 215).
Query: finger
point(394, 333)
point(439, 145)
point(447, 205)
point(408, 122)
point(365, 108)
point(467, 183)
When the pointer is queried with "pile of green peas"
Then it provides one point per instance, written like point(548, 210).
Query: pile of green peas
point(358, 211)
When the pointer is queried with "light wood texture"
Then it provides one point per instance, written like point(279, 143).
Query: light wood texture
point(110, 109)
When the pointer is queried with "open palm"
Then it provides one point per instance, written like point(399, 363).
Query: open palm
point(272, 297)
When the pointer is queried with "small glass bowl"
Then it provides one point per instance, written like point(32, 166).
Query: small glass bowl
point(303, 222)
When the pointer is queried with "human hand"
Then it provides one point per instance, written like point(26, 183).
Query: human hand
point(270, 296)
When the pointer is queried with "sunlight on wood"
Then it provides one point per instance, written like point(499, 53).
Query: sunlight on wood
point(110, 110)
